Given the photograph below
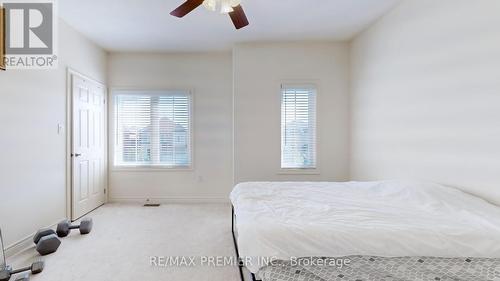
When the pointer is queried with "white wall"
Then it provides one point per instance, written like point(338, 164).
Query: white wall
point(426, 95)
point(32, 165)
point(209, 77)
point(259, 70)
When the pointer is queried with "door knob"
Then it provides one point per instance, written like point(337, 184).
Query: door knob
point(77, 154)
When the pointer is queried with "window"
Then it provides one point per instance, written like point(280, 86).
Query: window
point(298, 127)
point(152, 129)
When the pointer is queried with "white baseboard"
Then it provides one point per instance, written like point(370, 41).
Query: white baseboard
point(170, 200)
point(25, 243)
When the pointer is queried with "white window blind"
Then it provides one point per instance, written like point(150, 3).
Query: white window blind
point(152, 129)
point(298, 127)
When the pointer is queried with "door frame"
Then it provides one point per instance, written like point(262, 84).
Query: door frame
point(70, 72)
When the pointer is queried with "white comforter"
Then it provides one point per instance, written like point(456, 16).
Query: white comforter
point(391, 219)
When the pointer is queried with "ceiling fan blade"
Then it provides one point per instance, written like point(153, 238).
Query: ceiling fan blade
point(238, 17)
point(186, 8)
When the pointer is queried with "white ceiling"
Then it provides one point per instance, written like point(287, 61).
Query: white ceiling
point(145, 25)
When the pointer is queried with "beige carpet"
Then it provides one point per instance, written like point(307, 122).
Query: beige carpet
point(124, 238)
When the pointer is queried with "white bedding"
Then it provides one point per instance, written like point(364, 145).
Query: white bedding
point(389, 219)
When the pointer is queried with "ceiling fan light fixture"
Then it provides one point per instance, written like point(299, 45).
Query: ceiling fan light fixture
point(210, 5)
point(230, 7)
point(225, 6)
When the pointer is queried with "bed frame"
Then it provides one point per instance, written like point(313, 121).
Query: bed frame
point(240, 264)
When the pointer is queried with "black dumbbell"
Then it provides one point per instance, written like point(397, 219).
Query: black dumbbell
point(46, 241)
point(7, 272)
point(64, 227)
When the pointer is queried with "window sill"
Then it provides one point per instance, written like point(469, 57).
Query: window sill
point(299, 172)
point(150, 169)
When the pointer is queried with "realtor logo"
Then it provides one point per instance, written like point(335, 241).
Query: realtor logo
point(30, 35)
point(30, 28)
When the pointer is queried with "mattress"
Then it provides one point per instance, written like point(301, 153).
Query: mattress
point(366, 268)
point(285, 220)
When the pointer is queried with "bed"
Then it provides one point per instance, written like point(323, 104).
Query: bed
point(392, 229)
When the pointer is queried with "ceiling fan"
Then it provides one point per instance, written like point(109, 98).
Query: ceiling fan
point(231, 7)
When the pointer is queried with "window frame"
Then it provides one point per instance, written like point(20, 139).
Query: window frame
point(112, 130)
point(305, 170)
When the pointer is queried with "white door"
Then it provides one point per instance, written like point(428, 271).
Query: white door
point(88, 153)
